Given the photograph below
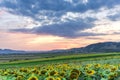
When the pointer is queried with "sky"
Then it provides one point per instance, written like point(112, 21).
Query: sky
point(57, 24)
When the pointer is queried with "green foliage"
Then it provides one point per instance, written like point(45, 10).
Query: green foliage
point(63, 71)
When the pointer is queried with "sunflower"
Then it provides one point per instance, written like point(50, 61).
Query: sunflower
point(58, 78)
point(32, 78)
point(97, 65)
point(50, 78)
point(77, 71)
point(50, 67)
point(88, 65)
point(90, 72)
point(20, 77)
point(6, 73)
point(23, 70)
point(62, 74)
point(43, 72)
point(111, 77)
point(114, 68)
point(74, 75)
point(52, 73)
point(35, 71)
point(106, 66)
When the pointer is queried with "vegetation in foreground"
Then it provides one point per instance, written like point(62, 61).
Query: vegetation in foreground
point(77, 67)
point(65, 71)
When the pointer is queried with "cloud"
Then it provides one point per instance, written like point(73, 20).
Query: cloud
point(114, 17)
point(64, 18)
point(116, 33)
point(66, 29)
point(94, 38)
point(57, 8)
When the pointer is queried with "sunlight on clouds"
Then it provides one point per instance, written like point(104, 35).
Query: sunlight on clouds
point(114, 37)
point(10, 21)
point(105, 26)
point(102, 14)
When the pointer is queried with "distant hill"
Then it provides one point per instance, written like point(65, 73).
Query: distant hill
point(103, 47)
point(9, 51)
point(92, 48)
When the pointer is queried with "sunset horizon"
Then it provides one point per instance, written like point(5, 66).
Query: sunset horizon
point(61, 24)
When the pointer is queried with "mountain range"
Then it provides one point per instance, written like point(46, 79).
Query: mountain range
point(10, 51)
point(92, 48)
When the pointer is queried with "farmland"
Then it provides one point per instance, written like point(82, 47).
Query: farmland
point(100, 66)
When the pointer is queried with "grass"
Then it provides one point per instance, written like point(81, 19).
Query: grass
point(37, 60)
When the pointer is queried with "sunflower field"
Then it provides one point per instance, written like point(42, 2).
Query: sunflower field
point(63, 71)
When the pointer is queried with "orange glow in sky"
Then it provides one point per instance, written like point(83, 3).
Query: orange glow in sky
point(58, 24)
point(21, 41)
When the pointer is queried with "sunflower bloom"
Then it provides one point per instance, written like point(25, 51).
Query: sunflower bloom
point(90, 72)
point(33, 78)
point(50, 78)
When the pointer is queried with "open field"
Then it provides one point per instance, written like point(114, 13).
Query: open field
point(100, 66)
point(31, 56)
point(34, 59)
